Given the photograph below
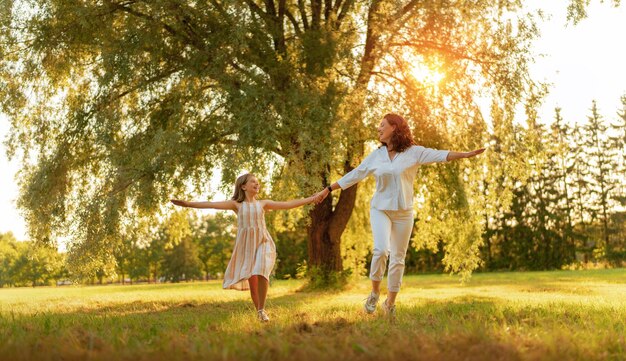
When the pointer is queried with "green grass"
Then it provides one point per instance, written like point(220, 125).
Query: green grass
point(562, 315)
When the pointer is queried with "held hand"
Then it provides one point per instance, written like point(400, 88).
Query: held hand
point(474, 153)
point(321, 195)
point(317, 198)
point(179, 202)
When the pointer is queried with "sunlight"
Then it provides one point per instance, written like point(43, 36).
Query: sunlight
point(425, 74)
point(425, 71)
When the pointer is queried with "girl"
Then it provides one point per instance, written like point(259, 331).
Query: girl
point(394, 165)
point(255, 253)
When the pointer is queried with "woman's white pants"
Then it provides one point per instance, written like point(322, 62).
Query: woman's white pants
point(392, 231)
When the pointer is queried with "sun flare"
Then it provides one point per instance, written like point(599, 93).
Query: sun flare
point(425, 74)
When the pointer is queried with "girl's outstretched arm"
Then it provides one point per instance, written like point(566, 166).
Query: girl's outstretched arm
point(215, 205)
point(270, 204)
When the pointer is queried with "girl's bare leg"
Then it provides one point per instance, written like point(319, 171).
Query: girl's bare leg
point(263, 285)
point(254, 290)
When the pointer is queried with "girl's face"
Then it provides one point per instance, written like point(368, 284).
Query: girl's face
point(385, 131)
point(252, 186)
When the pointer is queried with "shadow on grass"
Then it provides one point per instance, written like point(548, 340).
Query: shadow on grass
point(111, 330)
point(217, 312)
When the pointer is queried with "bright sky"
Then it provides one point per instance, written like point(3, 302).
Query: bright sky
point(582, 62)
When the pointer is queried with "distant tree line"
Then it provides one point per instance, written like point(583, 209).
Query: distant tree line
point(183, 247)
point(569, 210)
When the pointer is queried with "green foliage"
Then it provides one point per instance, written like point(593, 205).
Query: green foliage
point(318, 279)
point(357, 241)
point(564, 211)
point(131, 257)
point(601, 156)
point(9, 251)
point(192, 248)
point(214, 237)
point(577, 9)
point(537, 233)
point(39, 264)
point(291, 251)
point(288, 231)
point(133, 101)
point(182, 262)
point(28, 263)
point(618, 141)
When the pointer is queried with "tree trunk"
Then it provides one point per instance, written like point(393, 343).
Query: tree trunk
point(325, 231)
point(327, 225)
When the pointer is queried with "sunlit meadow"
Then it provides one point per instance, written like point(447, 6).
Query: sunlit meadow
point(561, 315)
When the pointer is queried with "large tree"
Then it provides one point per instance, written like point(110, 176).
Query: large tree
point(118, 104)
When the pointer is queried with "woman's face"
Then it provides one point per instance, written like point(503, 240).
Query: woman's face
point(385, 130)
point(252, 186)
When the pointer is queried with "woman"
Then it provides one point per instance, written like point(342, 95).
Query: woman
point(394, 165)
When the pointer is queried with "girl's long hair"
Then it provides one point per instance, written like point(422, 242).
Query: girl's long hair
point(401, 138)
point(240, 195)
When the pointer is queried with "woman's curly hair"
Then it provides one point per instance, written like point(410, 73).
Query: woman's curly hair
point(401, 138)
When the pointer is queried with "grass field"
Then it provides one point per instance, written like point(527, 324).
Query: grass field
point(562, 315)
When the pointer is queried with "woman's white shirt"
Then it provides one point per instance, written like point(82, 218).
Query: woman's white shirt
point(394, 178)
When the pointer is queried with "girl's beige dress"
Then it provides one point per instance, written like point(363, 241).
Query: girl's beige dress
point(255, 251)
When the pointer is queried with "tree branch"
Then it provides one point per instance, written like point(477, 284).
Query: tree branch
point(441, 48)
point(405, 10)
point(303, 15)
point(316, 13)
point(294, 23)
point(383, 74)
point(270, 8)
point(337, 6)
point(221, 10)
point(328, 10)
point(371, 42)
point(111, 98)
point(345, 8)
point(168, 28)
point(257, 10)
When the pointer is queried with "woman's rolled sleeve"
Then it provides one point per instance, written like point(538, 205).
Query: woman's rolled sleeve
point(357, 174)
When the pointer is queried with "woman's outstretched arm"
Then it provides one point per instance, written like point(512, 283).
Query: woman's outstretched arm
point(349, 179)
point(459, 155)
point(228, 205)
point(270, 204)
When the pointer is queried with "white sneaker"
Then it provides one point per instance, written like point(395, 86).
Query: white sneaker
point(263, 317)
point(390, 311)
point(371, 302)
